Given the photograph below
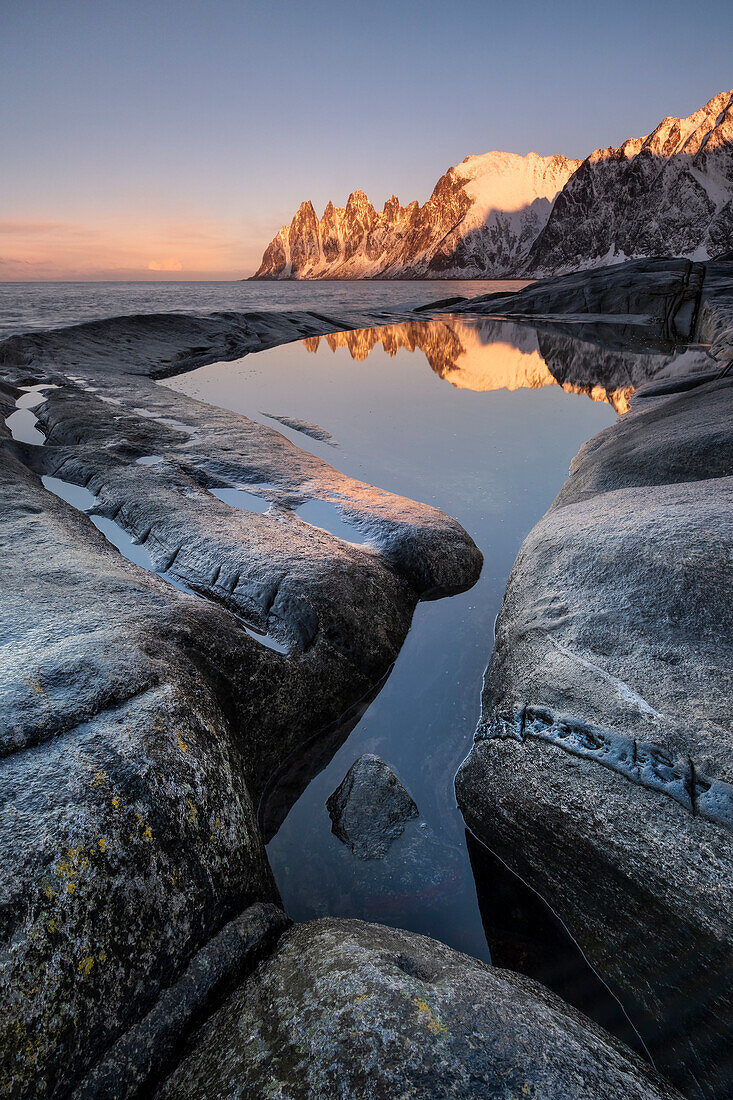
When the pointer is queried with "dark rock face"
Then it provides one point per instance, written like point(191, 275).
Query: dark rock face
point(141, 723)
point(151, 1048)
point(669, 192)
point(370, 809)
point(344, 1009)
point(601, 771)
point(660, 294)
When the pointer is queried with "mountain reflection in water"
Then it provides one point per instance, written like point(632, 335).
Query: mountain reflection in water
point(483, 354)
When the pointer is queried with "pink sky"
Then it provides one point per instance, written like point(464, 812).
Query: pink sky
point(129, 248)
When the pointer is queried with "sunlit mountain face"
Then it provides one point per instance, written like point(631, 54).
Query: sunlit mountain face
point(483, 354)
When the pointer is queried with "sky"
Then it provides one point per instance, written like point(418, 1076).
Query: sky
point(170, 140)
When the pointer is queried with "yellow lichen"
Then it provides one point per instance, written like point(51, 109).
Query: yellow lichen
point(71, 886)
point(432, 1021)
point(102, 842)
point(85, 965)
point(192, 810)
point(182, 745)
point(115, 801)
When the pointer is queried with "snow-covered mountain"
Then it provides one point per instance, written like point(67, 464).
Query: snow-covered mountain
point(668, 193)
point(480, 220)
point(501, 214)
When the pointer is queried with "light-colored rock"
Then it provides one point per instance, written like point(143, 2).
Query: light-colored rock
point(355, 1011)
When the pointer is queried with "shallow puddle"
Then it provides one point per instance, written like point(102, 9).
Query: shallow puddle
point(23, 423)
point(242, 498)
point(326, 516)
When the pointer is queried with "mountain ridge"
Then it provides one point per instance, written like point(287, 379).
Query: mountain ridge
point(498, 215)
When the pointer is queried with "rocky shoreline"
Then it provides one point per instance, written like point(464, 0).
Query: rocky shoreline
point(604, 741)
point(146, 711)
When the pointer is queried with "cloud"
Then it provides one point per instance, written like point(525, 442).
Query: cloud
point(165, 265)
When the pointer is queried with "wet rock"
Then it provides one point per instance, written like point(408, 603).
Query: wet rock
point(370, 809)
point(601, 771)
point(345, 1009)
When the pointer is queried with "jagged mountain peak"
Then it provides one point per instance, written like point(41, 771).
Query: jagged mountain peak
point(499, 214)
point(481, 218)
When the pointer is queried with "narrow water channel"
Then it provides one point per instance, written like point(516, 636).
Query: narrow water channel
point(464, 414)
point(466, 417)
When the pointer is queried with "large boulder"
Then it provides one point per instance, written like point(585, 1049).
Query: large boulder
point(355, 1011)
point(601, 771)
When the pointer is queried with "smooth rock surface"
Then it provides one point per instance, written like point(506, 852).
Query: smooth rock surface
point(601, 771)
point(370, 808)
point(355, 1011)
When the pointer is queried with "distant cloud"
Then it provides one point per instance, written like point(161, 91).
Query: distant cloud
point(165, 265)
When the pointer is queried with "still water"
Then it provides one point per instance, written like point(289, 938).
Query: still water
point(465, 414)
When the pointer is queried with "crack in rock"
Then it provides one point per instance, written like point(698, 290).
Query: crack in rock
point(645, 764)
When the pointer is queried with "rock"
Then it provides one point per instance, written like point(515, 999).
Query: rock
point(151, 1048)
point(142, 713)
point(370, 809)
point(601, 771)
point(658, 297)
point(347, 1010)
point(128, 834)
